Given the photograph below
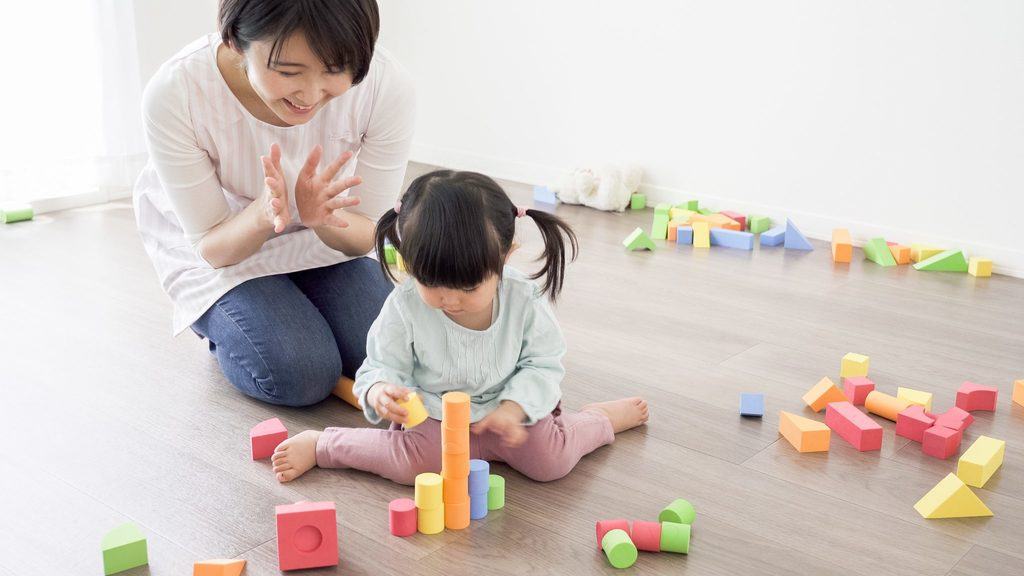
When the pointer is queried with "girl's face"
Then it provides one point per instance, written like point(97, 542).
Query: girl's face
point(297, 85)
point(456, 303)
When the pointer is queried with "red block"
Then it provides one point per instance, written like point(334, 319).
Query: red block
point(954, 418)
point(402, 517)
point(604, 526)
point(646, 535)
point(973, 396)
point(854, 426)
point(265, 436)
point(857, 389)
point(912, 422)
point(941, 442)
point(740, 218)
point(307, 535)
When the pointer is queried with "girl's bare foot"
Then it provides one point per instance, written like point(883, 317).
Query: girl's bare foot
point(293, 457)
point(625, 413)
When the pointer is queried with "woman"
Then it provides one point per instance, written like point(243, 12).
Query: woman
point(265, 255)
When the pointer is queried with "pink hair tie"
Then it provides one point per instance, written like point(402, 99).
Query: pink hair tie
point(520, 211)
point(398, 206)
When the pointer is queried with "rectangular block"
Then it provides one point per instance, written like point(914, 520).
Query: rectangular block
point(854, 426)
point(659, 227)
point(857, 388)
point(774, 237)
point(732, 239)
point(853, 364)
point(822, 393)
point(920, 252)
point(981, 461)
point(979, 267)
point(758, 224)
point(677, 213)
point(842, 245)
point(701, 235)
point(736, 216)
point(804, 434)
point(912, 423)
point(971, 396)
point(1018, 392)
point(941, 442)
point(684, 235)
point(751, 404)
point(900, 253)
point(922, 399)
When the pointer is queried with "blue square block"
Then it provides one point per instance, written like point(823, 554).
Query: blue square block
point(752, 404)
point(732, 239)
point(773, 237)
point(544, 195)
point(684, 235)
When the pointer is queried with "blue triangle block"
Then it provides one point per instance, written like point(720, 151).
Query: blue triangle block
point(773, 237)
point(795, 240)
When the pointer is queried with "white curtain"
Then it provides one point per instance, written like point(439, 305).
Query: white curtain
point(72, 129)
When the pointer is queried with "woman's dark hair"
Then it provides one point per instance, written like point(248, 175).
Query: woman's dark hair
point(454, 229)
point(342, 33)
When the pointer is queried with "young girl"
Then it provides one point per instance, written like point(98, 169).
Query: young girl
point(464, 321)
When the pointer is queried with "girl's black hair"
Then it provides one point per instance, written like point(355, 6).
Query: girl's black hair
point(342, 33)
point(454, 229)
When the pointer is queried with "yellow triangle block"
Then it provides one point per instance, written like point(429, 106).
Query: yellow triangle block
point(804, 434)
point(218, 568)
point(951, 498)
point(822, 393)
point(922, 399)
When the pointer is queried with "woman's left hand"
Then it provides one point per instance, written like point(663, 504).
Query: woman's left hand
point(507, 422)
point(317, 197)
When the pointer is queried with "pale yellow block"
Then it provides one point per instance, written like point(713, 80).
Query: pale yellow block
point(400, 262)
point(980, 267)
point(822, 393)
point(429, 491)
point(922, 399)
point(701, 235)
point(981, 461)
point(920, 252)
point(680, 214)
point(417, 412)
point(951, 498)
point(853, 365)
point(804, 434)
point(1018, 392)
point(430, 520)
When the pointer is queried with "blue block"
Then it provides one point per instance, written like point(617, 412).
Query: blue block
point(732, 239)
point(752, 405)
point(684, 235)
point(773, 237)
point(795, 240)
point(544, 195)
point(477, 506)
point(479, 476)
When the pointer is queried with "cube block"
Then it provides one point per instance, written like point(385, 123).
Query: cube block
point(971, 396)
point(853, 364)
point(857, 388)
point(751, 404)
point(941, 442)
point(912, 423)
point(979, 267)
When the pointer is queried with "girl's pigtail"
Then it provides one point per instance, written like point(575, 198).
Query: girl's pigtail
point(386, 229)
point(555, 232)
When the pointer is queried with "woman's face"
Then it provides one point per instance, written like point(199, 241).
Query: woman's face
point(297, 85)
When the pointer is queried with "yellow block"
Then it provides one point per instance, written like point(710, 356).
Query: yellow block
point(680, 214)
point(920, 252)
point(822, 393)
point(981, 461)
point(417, 413)
point(1018, 392)
point(922, 399)
point(429, 491)
point(980, 267)
point(343, 390)
point(853, 365)
point(701, 235)
point(218, 568)
point(400, 262)
point(884, 405)
point(951, 498)
point(804, 434)
point(430, 520)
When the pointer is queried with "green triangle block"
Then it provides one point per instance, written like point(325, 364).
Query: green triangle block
point(124, 547)
point(638, 240)
point(948, 261)
point(878, 252)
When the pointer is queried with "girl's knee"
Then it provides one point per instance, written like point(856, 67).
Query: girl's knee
point(548, 468)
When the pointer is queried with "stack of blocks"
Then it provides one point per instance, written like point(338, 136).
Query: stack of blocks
point(307, 535)
point(429, 501)
point(671, 533)
point(455, 413)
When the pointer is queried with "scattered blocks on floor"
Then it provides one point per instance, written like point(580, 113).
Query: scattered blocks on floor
point(885, 405)
point(618, 548)
point(637, 201)
point(948, 261)
point(853, 364)
point(229, 567)
point(638, 240)
point(900, 253)
point(307, 535)
point(981, 461)
point(822, 393)
point(941, 442)
point(732, 239)
point(980, 267)
point(417, 412)
point(842, 245)
point(804, 434)
point(794, 238)
point(971, 397)
point(758, 224)
point(951, 498)
point(701, 235)
point(673, 228)
point(679, 511)
point(1018, 392)
point(545, 195)
point(912, 423)
point(402, 517)
point(954, 418)
point(922, 399)
point(854, 426)
point(752, 404)
point(605, 526)
point(773, 237)
point(684, 235)
point(265, 436)
point(124, 548)
point(878, 252)
point(919, 252)
point(736, 217)
point(857, 388)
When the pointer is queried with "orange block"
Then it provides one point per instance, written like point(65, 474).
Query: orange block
point(804, 434)
point(455, 490)
point(673, 228)
point(714, 221)
point(900, 253)
point(455, 441)
point(456, 515)
point(822, 393)
point(884, 405)
point(842, 246)
point(231, 567)
point(455, 465)
point(1018, 392)
point(343, 390)
point(455, 409)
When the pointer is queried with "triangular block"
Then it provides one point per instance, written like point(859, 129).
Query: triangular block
point(265, 436)
point(804, 434)
point(795, 239)
point(638, 240)
point(948, 261)
point(878, 252)
point(124, 548)
point(951, 498)
point(218, 568)
point(822, 393)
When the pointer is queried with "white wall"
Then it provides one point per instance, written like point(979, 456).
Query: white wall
point(163, 28)
point(903, 119)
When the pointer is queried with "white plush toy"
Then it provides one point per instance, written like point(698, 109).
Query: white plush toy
point(607, 187)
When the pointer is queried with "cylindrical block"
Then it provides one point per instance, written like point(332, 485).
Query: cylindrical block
point(16, 213)
point(646, 535)
point(428, 490)
point(455, 489)
point(479, 470)
point(455, 465)
point(604, 526)
point(417, 412)
point(456, 515)
point(495, 492)
point(455, 440)
point(619, 549)
point(403, 518)
point(679, 511)
point(455, 408)
point(675, 537)
point(884, 405)
point(430, 520)
point(477, 506)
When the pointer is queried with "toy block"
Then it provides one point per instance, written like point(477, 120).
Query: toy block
point(854, 426)
point(677, 213)
point(637, 201)
point(679, 511)
point(900, 253)
point(732, 239)
point(979, 267)
point(704, 212)
point(948, 261)
point(773, 237)
point(1018, 392)
point(662, 208)
point(16, 212)
point(307, 535)
point(804, 434)
point(675, 537)
point(842, 245)
point(428, 491)
point(417, 412)
point(229, 567)
point(715, 221)
point(884, 405)
point(430, 520)
point(795, 239)
point(638, 240)
point(853, 364)
point(691, 205)
point(659, 228)
point(981, 461)
point(619, 549)
point(822, 393)
point(389, 254)
point(912, 423)
point(545, 195)
point(878, 252)
point(941, 442)
point(605, 526)
point(857, 388)
point(646, 535)
point(736, 216)
point(479, 472)
point(265, 436)
point(344, 390)
point(684, 235)
point(971, 396)
point(954, 418)
point(951, 498)
point(402, 517)
point(454, 490)
point(457, 514)
point(123, 548)
point(758, 224)
point(673, 228)
point(495, 492)
point(751, 404)
point(922, 399)
point(701, 235)
point(920, 252)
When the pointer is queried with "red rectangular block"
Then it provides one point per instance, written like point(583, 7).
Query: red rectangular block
point(941, 442)
point(857, 389)
point(955, 418)
point(973, 396)
point(912, 423)
point(854, 426)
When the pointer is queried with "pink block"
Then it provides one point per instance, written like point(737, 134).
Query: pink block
point(854, 426)
point(857, 389)
point(265, 436)
point(912, 422)
point(973, 396)
point(604, 526)
point(740, 218)
point(646, 535)
point(307, 535)
point(941, 442)
point(402, 517)
point(955, 418)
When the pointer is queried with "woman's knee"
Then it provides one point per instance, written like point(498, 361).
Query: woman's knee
point(294, 374)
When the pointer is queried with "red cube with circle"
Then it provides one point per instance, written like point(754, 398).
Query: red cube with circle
point(307, 535)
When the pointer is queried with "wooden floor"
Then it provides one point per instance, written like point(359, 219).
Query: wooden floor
point(105, 418)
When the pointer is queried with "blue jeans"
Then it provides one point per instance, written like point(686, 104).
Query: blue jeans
point(286, 339)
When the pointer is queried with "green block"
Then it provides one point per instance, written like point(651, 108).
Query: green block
point(638, 240)
point(948, 261)
point(619, 549)
point(11, 213)
point(675, 537)
point(659, 229)
point(878, 252)
point(495, 492)
point(124, 548)
point(638, 201)
point(390, 254)
point(679, 511)
point(692, 205)
point(662, 208)
point(704, 211)
point(758, 224)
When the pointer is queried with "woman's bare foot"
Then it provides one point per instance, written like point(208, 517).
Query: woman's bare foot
point(625, 413)
point(293, 457)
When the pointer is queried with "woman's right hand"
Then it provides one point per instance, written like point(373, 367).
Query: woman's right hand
point(384, 398)
point(275, 195)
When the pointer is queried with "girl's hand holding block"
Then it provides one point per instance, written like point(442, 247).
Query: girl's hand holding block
point(385, 398)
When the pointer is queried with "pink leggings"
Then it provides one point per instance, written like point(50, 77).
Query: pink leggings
point(554, 445)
